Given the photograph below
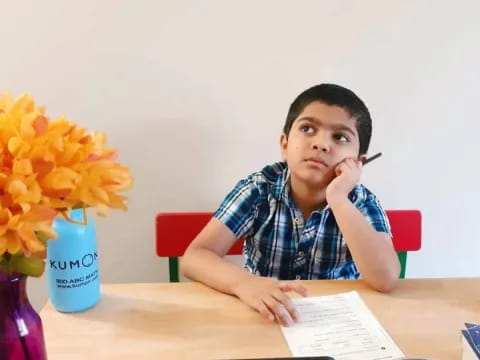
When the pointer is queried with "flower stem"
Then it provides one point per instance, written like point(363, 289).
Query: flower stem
point(70, 220)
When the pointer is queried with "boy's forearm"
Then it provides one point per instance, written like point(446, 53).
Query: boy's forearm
point(207, 267)
point(372, 251)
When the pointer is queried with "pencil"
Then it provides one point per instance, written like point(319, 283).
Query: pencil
point(371, 158)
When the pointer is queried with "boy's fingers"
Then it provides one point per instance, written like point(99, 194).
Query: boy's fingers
point(280, 296)
point(279, 310)
point(352, 163)
point(293, 286)
point(347, 165)
point(339, 169)
point(264, 311)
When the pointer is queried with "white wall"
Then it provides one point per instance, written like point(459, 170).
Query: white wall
point(194, 94)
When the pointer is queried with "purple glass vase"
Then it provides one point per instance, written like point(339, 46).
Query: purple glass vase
point(21, 333)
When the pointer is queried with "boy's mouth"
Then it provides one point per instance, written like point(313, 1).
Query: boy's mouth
point(317, 161)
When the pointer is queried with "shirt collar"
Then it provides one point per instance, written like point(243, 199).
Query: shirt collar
point(281, 188)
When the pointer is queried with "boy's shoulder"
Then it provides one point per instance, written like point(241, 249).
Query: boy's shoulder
point(270, 173)
point(271, 178)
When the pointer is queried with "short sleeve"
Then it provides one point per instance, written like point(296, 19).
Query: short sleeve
point(375, 214)
point(238, 209)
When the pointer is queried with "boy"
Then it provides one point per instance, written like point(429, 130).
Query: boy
point(305, 218)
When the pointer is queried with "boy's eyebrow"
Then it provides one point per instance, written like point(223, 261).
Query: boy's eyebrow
point(334, 126)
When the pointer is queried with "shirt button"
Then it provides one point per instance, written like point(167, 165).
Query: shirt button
point(298, 277)
point(297, 220)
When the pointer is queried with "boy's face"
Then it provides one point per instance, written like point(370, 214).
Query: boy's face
point(321, 137)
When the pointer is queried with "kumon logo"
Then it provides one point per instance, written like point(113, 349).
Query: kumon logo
point(86, 261)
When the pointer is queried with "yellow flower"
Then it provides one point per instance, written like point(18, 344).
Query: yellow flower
point(18, 229)
point(47, 167)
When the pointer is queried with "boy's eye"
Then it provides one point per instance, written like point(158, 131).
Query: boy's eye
point(306, 129)
point(341, 138)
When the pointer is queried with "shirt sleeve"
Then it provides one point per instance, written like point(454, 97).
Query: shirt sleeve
point(238, 209)
point(375, 214)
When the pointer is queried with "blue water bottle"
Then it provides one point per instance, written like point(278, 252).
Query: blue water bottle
point(72, 265)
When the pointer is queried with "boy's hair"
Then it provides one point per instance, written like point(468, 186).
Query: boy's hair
point(331, 94)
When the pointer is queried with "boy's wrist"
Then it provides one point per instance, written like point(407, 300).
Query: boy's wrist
point(236, 287)
point(338, 200)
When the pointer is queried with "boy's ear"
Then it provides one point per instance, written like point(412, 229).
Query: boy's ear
point(283, 146)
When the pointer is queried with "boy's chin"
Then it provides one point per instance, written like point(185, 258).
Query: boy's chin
point(319, 177)
point(315, 181)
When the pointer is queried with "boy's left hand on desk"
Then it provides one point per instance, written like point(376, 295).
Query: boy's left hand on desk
point(267, 296)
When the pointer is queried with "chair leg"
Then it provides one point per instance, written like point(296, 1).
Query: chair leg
point(402, 257)
point(173, 269)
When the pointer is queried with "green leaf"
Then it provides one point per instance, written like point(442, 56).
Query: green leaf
point(42, 237)
point(26, 265)
point(3, 264)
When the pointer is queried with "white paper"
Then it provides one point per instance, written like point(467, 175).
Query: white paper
point(340, 326)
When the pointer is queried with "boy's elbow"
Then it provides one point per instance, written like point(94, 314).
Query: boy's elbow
point(184, 265)
point(190, 262)
point(385, 283)
point(388, 279)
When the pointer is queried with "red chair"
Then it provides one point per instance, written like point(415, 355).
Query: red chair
point(175, 231)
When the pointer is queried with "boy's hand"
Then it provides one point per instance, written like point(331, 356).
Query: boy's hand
point(267, 296)
point(348, 174)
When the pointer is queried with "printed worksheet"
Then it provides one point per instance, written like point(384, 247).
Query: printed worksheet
point(340, 326)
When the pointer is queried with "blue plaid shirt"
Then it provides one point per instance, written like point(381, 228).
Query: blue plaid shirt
point(278, 242)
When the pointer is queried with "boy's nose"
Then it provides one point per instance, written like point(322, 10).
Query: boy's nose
point(321, 141)
point(321, 147)
point(321, 144)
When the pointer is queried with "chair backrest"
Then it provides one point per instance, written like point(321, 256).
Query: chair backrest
point(406, 229)
point(175, 231)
